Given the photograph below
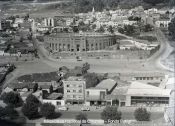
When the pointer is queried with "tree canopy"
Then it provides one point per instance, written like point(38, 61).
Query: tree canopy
point(153, 2)
point(47, 110)
point(8, 113)
point(35, 88)
point(12, 98)
point(172, 2)
point(101, 29)
point(110, 29)
point(141, 114)
point(171, 28)
point(92, 79)
point(111, 113)
point(32, 99)
point(30, 108)
point(86, 67)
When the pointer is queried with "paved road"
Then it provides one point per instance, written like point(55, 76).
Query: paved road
point(163, 52)
point(99, 65)
point(96, 115)
point(47, 64)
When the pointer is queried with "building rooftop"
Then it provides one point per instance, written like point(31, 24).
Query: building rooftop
point(21, 85)
point(140, 89)
point(84, 34)
point(55, 96)
point(143, 74)
point(75, 78)
point(26, 94)
point(125, 42)
point(45, 86)
point(118, 93)
point(107, 84)
point(39, 77)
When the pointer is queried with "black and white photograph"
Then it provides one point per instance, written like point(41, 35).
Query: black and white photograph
point(87, 62)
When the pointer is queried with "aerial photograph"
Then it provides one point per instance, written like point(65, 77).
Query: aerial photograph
point(87, 62)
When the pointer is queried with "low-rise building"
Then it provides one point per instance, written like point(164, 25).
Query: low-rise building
point(55, 99)
point(126, 45)
point(140, 94)
point(145, 77)
point(95, 96)
point(108, 84)
point(20, 87)
point(163, 23)
point(74, 90)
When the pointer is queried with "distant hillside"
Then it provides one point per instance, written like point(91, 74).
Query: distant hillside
point(87, 5)
point(78, 6)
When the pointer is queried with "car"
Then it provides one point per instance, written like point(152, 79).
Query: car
point(79, 58)
point(59, 57)
point(99, 57)
point(63, 108)
point(85, 109)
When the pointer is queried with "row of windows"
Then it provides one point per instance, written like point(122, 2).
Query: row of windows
point(149, 98)
point(88, 46)
point(149, 102)
point(146, 78)
point(102, 94)
point(78, 40)
point(74, 85)
point(75, 96)
point(75, 91)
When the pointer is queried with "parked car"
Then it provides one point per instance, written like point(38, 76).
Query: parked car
point(99, 57)
point(63, 108)
point(85, 108)
point(59, 57)
point(79, 58)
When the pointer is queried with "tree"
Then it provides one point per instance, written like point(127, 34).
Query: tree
point(8, 113)
point(12, 98)
point(110, 29)
point(51, 89)
point(29, 37)
point(11, 113)
point(30, 110)
point(31, 99)
point(171, 28)
point(141, 114)
point(172, 3)
point(129, 30)
point(86, 67)
point(2, 112)
point(101, 29)
point(26, 17)
point(148, 28)
point(35, 88)
point(153, 2)
point(75, 29)
point(94, 26)
point(111, 113)
point(47, 110)
point(121, 30)
point(82, 117)
point(92, 79)
point(132, 18)
point(81, 23)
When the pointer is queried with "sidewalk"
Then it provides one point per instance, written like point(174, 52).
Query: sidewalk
point(122, 109)
point(78, 108)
